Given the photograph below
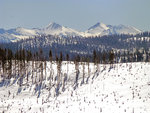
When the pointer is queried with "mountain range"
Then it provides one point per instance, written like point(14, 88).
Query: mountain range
point(99, 29)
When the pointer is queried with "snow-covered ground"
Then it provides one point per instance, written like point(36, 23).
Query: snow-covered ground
point(123, 88)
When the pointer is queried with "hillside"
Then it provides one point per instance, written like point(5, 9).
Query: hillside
point(120, 44)
point(120, 88)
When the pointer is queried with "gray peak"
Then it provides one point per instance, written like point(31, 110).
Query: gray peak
point(98, 25)
point(53, 26)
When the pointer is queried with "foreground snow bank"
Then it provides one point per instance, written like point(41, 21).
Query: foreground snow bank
point(123, 88)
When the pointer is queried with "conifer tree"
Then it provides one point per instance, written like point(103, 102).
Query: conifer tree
point(94, 57)
point(67, 58)
point(111, 57)
point(9, 58)
point(104, 57)
point(59, 64)
point(88, 64)
point(4, 61)
point(41, 64)
point(83, 70)
point(28, 58)
point(76, 61)
point(51, 59)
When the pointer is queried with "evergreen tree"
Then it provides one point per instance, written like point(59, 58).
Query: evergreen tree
point(76, 61)
point(9, 58)
point(111, 57)
point(104, 57)
point(51, 59)
point(83, 70)
point(94, 57)
point(50, 56)
point(67, 58)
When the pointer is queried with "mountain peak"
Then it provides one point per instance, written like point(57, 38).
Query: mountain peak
point(53, 26)
point(99, 25)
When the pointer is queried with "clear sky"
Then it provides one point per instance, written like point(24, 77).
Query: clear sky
point(77, 14)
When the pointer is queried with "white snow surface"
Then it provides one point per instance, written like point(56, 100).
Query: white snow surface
point(26, 32)
point(123, 88)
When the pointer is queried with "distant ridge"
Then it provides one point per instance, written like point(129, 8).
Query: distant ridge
point(99, 29)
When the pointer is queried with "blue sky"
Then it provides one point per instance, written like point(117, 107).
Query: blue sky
point(77, 14)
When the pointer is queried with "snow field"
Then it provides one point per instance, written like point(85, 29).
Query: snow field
point(121, 88)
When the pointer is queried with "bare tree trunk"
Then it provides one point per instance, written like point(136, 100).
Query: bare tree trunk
point(45, 64)
point(32, 69)
point(83, 66)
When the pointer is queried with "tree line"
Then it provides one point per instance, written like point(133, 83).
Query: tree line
point(22, 57)
point(23, 64)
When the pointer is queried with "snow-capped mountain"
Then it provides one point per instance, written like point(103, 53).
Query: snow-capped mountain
point(102, 29)
point(98, 29)
point(13, 35)
point(53, 28)
point(56, 29)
